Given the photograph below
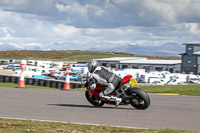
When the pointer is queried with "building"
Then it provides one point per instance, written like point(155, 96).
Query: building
point(115, 62)
point(191, 58)
point(173, 66)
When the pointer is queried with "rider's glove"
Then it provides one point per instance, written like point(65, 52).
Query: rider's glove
point(92, 86)
point(92, 83)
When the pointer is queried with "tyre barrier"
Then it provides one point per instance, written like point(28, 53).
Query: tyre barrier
point(53, 84)
point(47, 83)
point(7, 79)
point(29, 81)
point(35, 81)
point(40, 82)
point(60, 85)
point(1, 78)
point(17, 80)
point(13, 79)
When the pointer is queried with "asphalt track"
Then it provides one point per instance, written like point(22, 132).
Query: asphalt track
point(165, 111)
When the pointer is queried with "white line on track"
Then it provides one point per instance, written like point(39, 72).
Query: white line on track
point(92, 124)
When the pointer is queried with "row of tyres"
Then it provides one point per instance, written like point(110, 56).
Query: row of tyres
point(39, 82)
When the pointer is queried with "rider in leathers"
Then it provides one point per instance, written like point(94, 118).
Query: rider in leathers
point(104, 76)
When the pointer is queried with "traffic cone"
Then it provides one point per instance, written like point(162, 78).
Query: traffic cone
point(67, 82)
point(21, 80)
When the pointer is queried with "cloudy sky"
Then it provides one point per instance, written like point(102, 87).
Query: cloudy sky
point(99, 24)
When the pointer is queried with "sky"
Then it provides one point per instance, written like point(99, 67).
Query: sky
point(113, 25)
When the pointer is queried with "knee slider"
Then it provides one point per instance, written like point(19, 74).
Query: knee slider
point(101, 94)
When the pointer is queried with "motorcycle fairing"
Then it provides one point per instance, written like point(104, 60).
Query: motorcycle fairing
point(125, 79)
point(100, 87)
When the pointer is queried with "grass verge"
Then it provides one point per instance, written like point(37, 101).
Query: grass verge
point(21, 126)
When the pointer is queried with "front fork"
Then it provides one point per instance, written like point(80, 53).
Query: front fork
point(93, 92)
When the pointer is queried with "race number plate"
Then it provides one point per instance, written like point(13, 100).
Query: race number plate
point(133, 82)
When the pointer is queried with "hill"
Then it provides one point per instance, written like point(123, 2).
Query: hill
point(70, 55)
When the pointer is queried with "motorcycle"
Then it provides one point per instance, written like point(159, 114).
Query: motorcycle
point(137, 97)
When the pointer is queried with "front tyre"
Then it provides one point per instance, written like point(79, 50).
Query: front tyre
point(140, 99)
point(93, 100)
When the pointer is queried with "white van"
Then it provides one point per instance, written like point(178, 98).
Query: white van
point(178, 79)
point(31, 62)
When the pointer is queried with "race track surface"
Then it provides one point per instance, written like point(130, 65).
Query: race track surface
point(165, 111)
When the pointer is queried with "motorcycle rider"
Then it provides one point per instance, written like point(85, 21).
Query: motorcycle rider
point(104, 76)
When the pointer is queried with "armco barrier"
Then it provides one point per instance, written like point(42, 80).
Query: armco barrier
point(39, 82)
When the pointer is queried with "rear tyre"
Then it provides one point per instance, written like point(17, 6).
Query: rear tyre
point(93, 100)
point(140, 100)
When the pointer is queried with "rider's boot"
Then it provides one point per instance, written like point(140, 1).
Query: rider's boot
point(117, 100)
point(111, 98)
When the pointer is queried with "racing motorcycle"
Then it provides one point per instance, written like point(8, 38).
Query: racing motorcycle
point(138, 98)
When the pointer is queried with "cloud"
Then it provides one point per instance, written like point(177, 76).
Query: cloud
point(105, 23)
point(193, 28)
point(72, 8)
point(167, 51)
point(109, 13)
point(66, 31)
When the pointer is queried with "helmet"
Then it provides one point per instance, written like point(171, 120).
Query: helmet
point(92, 65)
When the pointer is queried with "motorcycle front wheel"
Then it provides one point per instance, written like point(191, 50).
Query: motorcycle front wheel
point(140, 100)
point(93, 100)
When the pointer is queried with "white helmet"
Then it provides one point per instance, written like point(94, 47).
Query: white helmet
point(92, 65)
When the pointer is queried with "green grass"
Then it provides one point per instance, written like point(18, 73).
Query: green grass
point(22, 126)
point(27, 86)
point(70, 55)
point(192, 90)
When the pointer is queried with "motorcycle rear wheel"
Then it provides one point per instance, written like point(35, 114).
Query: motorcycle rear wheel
point(140, 100)
point(93, 100)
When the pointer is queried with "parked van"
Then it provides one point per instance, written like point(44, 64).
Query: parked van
point(31, 62)
point(178, 79)
point(13, 66)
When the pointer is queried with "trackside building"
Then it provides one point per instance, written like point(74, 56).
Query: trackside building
point(191, 58)
point(173, 66)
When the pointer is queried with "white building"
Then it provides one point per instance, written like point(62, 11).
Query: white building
point(141, 63)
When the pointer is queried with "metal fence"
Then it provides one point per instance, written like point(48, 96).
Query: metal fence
point(40, 82)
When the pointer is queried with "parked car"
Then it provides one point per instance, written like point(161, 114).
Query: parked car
point(13, 66)
point(62, 76)
point(58, 75)
point(73, 76)
point(40, 76)
point(82, 77)
point(193, 82)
